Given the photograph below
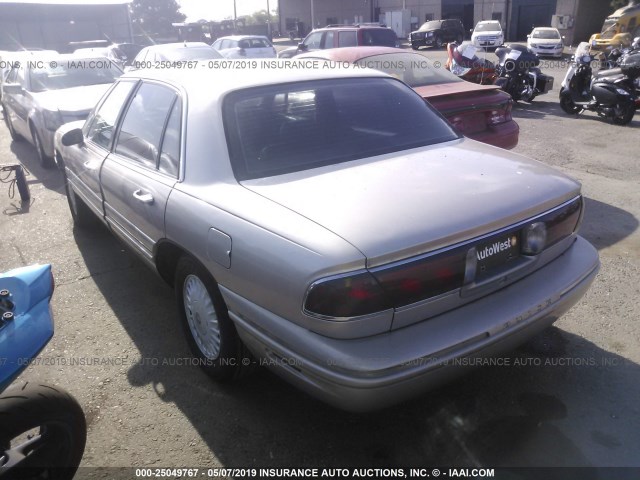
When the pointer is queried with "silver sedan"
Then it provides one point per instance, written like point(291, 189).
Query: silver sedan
point(42, 92)
point(330, 224)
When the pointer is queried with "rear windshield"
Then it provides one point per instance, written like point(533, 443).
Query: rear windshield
point(412, 68)
point(286, 128)
point(380, 37)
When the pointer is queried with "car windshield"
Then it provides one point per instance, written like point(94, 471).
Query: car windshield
point(413, 69)
point(546, 34)
point(430, 25)
point(609, 28)
point(254, 43)
point(291, 127)
point(190, 53)
point(72, 73)
point(488, 27)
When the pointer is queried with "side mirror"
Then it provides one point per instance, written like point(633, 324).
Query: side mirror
point(302, 46)
point(529, 36)
point(73, 137)
point(13, 88)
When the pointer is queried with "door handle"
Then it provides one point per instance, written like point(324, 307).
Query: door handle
point(143, 197)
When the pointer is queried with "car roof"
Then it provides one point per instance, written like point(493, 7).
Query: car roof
point(352, 54)
point(177, 46)
point(241, 37)
point(546, 28)
point(218, 81)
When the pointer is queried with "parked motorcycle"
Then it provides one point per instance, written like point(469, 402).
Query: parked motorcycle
point(42, 428)
point(610, 93)
point(464, 62)
point(519, 75)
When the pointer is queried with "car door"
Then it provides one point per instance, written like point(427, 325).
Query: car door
point(139, 175)
point(83, 162)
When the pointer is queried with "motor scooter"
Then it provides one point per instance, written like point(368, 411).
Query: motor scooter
point(610, 93)
point(42, 428)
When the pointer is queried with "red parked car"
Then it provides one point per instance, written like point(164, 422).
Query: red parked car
point(480, 112)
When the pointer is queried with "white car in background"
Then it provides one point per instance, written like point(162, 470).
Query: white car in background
point(245, 46)
point(488, 33)
point(546, 41)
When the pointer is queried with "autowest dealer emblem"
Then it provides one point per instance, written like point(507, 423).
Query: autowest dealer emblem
point(496, 248)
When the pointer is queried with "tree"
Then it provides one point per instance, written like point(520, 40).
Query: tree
point(156, 16)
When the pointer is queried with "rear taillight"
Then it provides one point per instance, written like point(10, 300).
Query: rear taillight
point(500, 115)
point(422, 278)
point(551, 228)
point(419, 279)
point(349, 295)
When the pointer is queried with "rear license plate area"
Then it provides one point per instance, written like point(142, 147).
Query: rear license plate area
point(496, 255)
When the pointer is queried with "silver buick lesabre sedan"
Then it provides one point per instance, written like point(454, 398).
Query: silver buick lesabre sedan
point(330, 223)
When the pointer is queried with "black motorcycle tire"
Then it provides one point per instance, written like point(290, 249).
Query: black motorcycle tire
point(61, 437)
point(567, 104)
point(626, 114)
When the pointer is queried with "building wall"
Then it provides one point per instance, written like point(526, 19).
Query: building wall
point(587, 15)
point(50, 26)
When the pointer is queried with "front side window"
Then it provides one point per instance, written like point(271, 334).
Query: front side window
point(292, 127)
point(313, 41)
point(101, 126)
point(141, 131)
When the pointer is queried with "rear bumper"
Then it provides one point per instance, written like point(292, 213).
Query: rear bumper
point(504, 135)
point(370, 373)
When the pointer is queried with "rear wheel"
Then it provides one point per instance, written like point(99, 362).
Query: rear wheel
point(623, 114)
point(567, 104)
point(210, 332)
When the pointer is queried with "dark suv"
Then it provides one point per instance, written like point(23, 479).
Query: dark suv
point(334, 36)
point(437, 33)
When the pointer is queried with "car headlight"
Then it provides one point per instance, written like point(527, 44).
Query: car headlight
point(52, 119)
point(429, 34)
point(621, 91)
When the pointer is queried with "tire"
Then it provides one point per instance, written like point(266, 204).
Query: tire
point(15, 136)
point(61, 425)
point(459, 39)
point(45, 160)
point(438, 41)
point(624, 113)
point(210, 333)
point(567, 104)
point(81, 214)
point(415, 47)
point(23, 186)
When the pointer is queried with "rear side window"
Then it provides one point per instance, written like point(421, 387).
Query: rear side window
point(347, 39)
point(381, 37)
point(291, 127)
point(143, 124)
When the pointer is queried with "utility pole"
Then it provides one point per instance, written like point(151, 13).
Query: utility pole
point(313, 17)
point(235, 18)
point(268, 20)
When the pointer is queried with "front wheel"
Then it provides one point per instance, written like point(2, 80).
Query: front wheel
point(210, 332)
point(45, 160)
point(42, 433)
point(623, 114)
point(439, 42)
point(81, 214)
point(15, 136)
point(567, 104)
